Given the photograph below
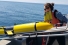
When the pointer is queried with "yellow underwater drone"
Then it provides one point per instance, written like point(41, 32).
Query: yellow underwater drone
point(28, 27)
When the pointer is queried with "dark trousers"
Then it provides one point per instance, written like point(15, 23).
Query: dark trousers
point(34, 41)
point(60, 39)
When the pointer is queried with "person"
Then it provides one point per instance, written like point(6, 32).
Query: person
point(36, 40)
point(55, 17)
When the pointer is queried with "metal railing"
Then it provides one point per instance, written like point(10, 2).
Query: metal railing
point(36, 34)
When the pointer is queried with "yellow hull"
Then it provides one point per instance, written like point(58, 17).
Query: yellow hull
point(28, 27)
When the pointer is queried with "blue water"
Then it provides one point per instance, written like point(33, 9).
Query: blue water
point(20, 12)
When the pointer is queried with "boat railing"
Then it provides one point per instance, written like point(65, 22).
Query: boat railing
point(40, 33)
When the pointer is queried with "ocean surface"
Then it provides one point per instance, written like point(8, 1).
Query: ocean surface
point(21, 12)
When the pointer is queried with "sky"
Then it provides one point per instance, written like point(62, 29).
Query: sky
point(41, 1)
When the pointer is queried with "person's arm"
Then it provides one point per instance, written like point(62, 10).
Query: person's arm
point(61, 18)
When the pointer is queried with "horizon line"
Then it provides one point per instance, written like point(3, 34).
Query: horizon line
point(32, 2)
